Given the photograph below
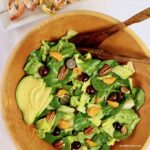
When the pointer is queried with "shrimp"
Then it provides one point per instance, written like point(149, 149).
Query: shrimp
point(15, 8)
point(31, 4)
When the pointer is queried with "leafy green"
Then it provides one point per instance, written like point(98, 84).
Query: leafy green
point(67, 144)
point(88, 66)
point(129, 118)
point(126, 116)
point(84, 99)
point(32, 65)
point(81, 122)
point(69, 35)
point(107, 126)
point(99, 85)
point(111, 63)
point(124, 71)
point(66, 109)
point(68, 50)
point(44, 50)
point(50, 138)
point(102, 138)
point(51, 79)
point(138, 96)
point(74, 101)
point(55, 102)
point(44, 126)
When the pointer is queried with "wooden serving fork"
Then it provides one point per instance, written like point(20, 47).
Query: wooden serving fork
point(104, 55)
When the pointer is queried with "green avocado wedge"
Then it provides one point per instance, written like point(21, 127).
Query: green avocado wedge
point(32, 97)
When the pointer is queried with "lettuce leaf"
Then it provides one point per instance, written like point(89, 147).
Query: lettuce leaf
point(88, 66)
point(81, 122)
point(124, 71)
point(138, 96)
point(69, 35)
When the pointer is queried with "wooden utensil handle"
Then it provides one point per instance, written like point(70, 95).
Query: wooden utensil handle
point(95, 38)
point(141, 16)
point(101, 54)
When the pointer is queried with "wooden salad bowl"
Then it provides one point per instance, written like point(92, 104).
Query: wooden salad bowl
point(124, 42)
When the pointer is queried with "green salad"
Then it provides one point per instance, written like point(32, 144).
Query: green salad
point(77, 102)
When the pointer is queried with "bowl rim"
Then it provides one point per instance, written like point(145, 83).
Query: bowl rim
point(38, 26)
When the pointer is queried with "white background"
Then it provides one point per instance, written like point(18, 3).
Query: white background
point(120, 9)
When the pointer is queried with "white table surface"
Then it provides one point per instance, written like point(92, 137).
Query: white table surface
point(120, 9)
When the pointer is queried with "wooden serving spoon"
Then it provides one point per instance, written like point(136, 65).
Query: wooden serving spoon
point(95, 38)
point(104, 55)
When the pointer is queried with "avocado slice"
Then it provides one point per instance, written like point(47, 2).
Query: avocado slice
point(32, 97)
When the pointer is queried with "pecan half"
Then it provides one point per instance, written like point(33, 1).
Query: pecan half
point(62, 72)
point(50, 116)
point(59, 144)
point(124, 130)
point(104, 70)
point(125, 90)
point(89, 130)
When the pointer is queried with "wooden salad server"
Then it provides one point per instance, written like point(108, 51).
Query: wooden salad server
point(95, 38)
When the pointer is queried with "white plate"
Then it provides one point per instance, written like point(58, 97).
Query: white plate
point(29, 16)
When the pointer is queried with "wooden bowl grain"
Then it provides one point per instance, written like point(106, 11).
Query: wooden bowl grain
point(124, 42)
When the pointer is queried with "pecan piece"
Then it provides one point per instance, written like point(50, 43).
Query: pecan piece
point(89, 130)
point(62, 72)
point(124, 130)
point(50, 116)
point(125, 90)
point(104, 70)
point(59, 144)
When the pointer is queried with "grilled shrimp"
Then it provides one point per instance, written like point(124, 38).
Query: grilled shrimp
point(31, 4)
point(15, 8)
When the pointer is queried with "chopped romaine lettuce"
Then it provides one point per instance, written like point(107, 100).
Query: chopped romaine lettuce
point(81, 122)
point(69, 35)
point(74, 101)
point(124, 71)
point(88, 66)
point(32, 66)
point(87, 56)
point(66, 109)
point(84, 99)
point(126, 116)
point(138, 96)
point(107, 126)
point(44, 126)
